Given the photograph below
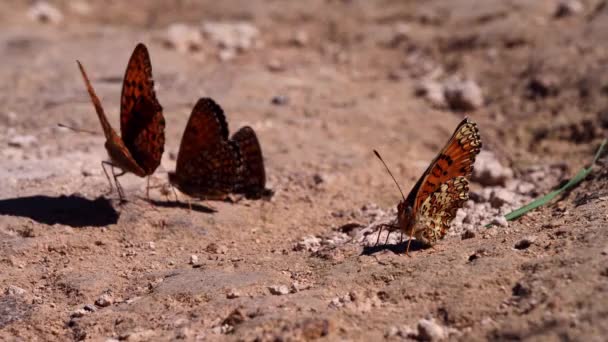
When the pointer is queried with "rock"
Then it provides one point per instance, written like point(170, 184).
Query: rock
point(279, 100)
point(525, 242)
point(104, 300)
point(78, 313)
point(278, 290)
point(184, 38)
point(429, 330)
point(235, 318)
point(297, 286)
point(44, 12)
point(193, 259)
point(233, 293)
point(226, 55)
point(13, 290)
point(489, 172)
point(300, 38)
point(433, 92)
point(543, 86)
point(214, 248)
point(568, 7)
point(90, 308)
point(22, 141)
point(318, 178)
point(309, 243)
point(500, 197)
point(463, 95)
point(468, 234)
point(236, 36)
point(151, 245)
point(275, 65)
point(500, 221)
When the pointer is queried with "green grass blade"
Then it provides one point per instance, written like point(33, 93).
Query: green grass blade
point(582, 174)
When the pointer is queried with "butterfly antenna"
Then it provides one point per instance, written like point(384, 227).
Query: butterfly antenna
point(77, 129)
point(390, 173)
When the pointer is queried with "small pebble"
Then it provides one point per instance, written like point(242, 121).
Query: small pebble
point(151, 245)
point(193, 259)
point(275, 65)
point(233, 293)
point(44, 12)
point(280, 100)
point(463, 95)
point(468, 234)
point(525, 242)
point(568, 7)
point(184, 38)
point(500, 221)
point(300, 38)
point(13, 290)
point(104, 300)
point(22, 141)
point(429, 330)
point(278, 290)
point(79, 313)
point(214, 248)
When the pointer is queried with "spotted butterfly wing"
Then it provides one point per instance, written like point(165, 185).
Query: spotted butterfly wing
point(208, 164)
point(455, 159)
point(432, 203)
point(435, 214)
point(142, 123)
point(252, 181)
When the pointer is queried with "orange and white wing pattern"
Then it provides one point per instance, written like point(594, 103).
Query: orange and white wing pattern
point(439, 209)
point(456, 159)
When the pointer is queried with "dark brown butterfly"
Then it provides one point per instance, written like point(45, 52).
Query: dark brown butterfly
point(142, 124)
point(432, 203)
point(210, 165)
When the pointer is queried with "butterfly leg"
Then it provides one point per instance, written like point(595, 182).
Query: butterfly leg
point(121, 193)
point(379, 232)
point(387, 235)
point(103, 167)
point(175, 193)
point(148, 190)
point(409, 242)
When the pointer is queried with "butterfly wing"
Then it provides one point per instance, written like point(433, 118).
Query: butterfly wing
point(252, 181)
point(208, 164)
point(435, 214)
point(142, 124)
point(456, 159)
point(118, 152)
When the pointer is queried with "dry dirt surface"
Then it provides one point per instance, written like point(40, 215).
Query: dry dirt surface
point(323, 83)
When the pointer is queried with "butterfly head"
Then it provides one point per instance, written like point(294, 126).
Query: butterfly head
point(405, 216)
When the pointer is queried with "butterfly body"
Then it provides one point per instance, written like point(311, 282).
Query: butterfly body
point(140, 148)
point(432, 203)
point(210, 165)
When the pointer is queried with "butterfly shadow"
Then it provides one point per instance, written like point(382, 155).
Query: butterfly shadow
point(73, 210)
point(184, 205)
point(397, 248)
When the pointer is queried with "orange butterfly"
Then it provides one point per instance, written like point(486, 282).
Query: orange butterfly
point(142, 124)
point(211, 165)
point(432, 203)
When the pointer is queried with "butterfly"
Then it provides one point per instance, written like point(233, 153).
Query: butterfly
point(142, 126)
point(432, 203)
point(210, 165)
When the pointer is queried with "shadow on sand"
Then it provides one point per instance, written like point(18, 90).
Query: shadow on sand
point(398, 248)
point(183, 205)
point(73, 211)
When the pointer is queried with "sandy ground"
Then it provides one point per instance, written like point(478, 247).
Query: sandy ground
point(323, 84)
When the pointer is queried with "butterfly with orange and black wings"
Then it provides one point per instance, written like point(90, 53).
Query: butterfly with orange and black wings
point(142, 124)
point(432, 203)
point(210, 165)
